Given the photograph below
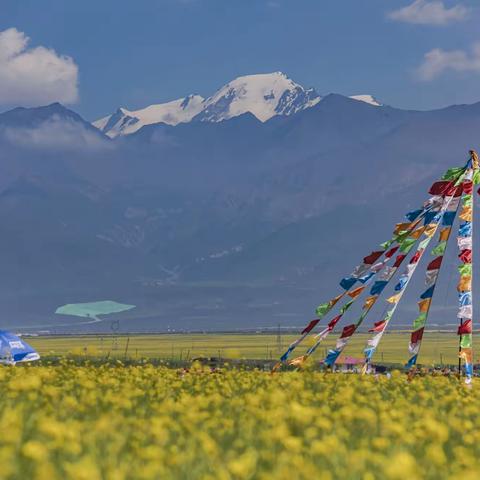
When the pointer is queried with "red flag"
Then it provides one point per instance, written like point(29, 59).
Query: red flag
point(465, 328)
point(373, 257)
point(416, 257)
point(466, 256)
point(417, 335)
point(348, 331)
point(390, 253)
point(334, 321)
point(468, 187)
point(439, 188)
point(399, 260)
point(378, 326)
point(446, 189)
point(435, 264)
point(310, 326)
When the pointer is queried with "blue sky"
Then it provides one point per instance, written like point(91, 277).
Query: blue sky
point(134, 53)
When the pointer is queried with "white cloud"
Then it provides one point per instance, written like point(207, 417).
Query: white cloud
point(438, 61)
point(34, 76)
point(429, 13)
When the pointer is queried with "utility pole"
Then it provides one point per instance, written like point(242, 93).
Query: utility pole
point(279, 339)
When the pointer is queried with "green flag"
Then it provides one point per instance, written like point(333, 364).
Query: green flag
point(465, 269)
point(407, 244)
point(323, 309)
point(440, 248)
point(346, 307)
point(466, 341)
point(476, 177)
point(386, 244)
point(453, 173)
point(419, 322)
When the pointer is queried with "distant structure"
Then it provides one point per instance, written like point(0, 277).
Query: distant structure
point(451, 196)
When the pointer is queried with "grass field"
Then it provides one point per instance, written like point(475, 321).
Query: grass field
point(438, 347)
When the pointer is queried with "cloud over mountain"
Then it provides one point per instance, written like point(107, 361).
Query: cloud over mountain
point(34, 76)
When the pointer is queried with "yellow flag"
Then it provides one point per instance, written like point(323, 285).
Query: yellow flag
point(334, 300)
point(465, 284)
point(298, 362)
point(401, 228)
point(369, 301)
point(430, 229)
point(394, 298)
point(466, 214)
point(466, 354)
point(444, 233)
point(424, 305)
point(416, 233)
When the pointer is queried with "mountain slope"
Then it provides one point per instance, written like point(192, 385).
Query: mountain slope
point(217, 224)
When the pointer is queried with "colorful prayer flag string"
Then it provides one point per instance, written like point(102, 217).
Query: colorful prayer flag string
point(402, 284)
point(465, 241)
point(364, 273)
point(424, 304)
point(446, 215)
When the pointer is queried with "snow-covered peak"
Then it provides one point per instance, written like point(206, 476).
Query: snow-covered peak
point(367, 99)
point(124, 122)
point(263, 95)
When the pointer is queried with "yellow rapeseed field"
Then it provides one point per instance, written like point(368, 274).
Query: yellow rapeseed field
point(144, 422)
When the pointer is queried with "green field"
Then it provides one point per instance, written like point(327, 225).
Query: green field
point(438, 347)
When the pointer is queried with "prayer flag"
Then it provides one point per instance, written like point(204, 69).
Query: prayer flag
point(369, 302)
point(373, 257)
point(424, 305)
point(399, 260)
point(378, 287)
point(379, 326)
point(310, 326)
point(348, 330)
point(440, 248)
point(466, 256)
point(444, 233)
point(465, 328)
point(394, 298)
point(347, 282)
point(465, 284)
point(428, 293)
point(356, 292)
point(435, 264)
point(417, 335)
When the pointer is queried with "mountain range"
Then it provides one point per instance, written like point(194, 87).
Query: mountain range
point(263, 95)
point(242, 213)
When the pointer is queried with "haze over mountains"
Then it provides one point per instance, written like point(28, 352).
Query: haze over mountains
point(241, 210)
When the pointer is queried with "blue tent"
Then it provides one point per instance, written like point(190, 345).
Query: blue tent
point(14, 350)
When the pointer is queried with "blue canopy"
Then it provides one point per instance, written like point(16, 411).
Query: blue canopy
point(14, 350)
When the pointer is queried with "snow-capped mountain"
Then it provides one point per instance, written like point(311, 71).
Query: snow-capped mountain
point(124, 122)
point(263, 95)
point(367, 99)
